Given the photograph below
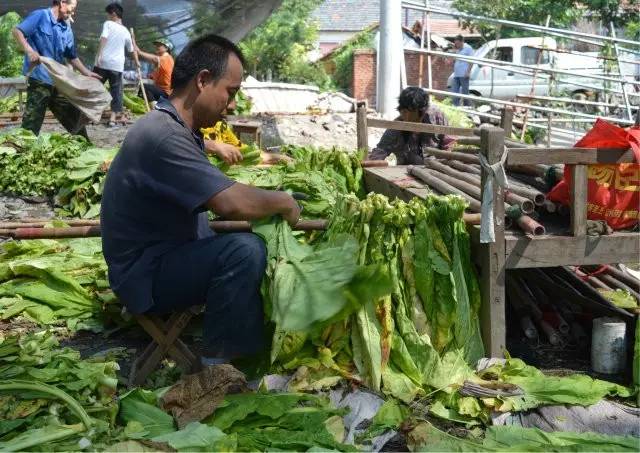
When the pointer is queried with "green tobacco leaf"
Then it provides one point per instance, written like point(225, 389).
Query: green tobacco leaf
point(513, 438)
point(390, 416)
point(620, 298)
point(194, 437)
point(155, 422)
point(541, 389)
point(238, 407)
point(307, 285)
point(439, 410)
point(367, 348)
point(399, 385)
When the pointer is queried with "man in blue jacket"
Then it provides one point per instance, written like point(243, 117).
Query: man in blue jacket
point(461, 70)
point(47, 33)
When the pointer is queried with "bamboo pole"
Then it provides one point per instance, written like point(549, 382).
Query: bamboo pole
point(623, 86)
point(533, 80)
point(136, 59)
point(443, 187)
point(526, 205)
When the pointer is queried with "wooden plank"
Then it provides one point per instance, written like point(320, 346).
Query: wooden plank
point(506, 121)
point(550, 251)
point(519, 156)
point(492, 257)
point(578, 200)
point(362, 130)
point(394, 182)
point(419, 127)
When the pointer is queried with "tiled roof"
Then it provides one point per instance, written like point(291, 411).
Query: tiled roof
point(449, 28)
point(356, 15)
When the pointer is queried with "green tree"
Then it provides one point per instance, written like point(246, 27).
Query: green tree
point(279, 46)
point(10, 56)
point(563, 13)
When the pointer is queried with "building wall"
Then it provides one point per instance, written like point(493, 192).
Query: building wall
point(364, 73)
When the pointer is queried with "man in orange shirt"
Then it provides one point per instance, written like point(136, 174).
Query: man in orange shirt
point(163, 62)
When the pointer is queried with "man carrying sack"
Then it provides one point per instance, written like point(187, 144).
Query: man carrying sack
point(47, 33)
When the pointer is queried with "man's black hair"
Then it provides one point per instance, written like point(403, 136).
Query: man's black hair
point(414, 99)
point(114, 8)
point(210, 52)
point(458, 38)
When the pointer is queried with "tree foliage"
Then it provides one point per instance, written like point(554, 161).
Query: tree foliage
point(279, 46)
point(563, 13)
point(10, 55)
point(342, 58)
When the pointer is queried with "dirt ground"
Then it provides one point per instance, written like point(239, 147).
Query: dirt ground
point(328, 130)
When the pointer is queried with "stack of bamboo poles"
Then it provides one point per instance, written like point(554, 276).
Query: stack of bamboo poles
point(557, 305)
point(458, 172)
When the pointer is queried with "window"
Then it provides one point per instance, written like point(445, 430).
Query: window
point(529, 55)
point(504, 54)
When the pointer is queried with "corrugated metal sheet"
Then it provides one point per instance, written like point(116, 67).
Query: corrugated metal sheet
point(275, 97)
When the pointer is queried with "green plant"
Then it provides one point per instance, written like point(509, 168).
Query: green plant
point(342, 58)
point(10, 55)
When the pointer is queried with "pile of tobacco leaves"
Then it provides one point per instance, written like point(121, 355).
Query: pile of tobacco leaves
point(385, 299)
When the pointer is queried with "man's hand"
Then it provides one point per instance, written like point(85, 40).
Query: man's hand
point(93, 75)
point(34, 58)
point(230, 154)
point(292, 214)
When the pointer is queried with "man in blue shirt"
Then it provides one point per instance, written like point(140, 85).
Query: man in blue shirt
point(461, 70)
point(46, 32)
point(162, 257)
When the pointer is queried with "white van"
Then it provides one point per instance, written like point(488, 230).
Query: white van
point(507, 82)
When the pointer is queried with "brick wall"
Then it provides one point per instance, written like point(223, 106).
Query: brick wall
point(364, 73)
point(363, 82)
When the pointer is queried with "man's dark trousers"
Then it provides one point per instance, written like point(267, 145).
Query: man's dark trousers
point(224, 272)
point(41, 96)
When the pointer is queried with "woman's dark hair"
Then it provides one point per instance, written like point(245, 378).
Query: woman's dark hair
point(114, 8)
point(414, 99)
point(210, 52)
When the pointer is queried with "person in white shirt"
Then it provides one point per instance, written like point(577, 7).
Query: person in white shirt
point(114, 41)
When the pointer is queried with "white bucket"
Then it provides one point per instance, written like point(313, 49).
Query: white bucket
point(608, 345)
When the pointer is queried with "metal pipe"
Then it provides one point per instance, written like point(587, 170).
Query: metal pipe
point(533, 81)
point(518, 122)
point(442, 187)
point(527, 70)
point(565, 100)
point(623, 86)
point(532, 107)
point(587, 55)
point(416, 6)
point(389, 51)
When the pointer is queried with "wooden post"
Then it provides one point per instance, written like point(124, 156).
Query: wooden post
point(361, 125)
point(492, 313)
point(506, 121)
point(579, 200)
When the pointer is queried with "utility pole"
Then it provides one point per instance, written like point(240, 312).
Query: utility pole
point(389, 53)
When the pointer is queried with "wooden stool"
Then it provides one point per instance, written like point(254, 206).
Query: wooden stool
point(165, 343)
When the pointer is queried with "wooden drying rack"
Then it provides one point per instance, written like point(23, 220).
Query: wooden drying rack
point(512, 249)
